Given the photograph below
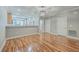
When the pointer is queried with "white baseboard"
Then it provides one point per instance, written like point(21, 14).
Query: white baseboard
point(20, 36)
point(2, 45)
point(46, 32)
point(67, 36)
point(72, 37)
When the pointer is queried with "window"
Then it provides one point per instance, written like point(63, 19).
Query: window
point(20, 21)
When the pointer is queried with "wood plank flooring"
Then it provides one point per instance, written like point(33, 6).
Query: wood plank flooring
point(42, 43)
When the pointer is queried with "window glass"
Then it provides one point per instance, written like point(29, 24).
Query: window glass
point(19, 21)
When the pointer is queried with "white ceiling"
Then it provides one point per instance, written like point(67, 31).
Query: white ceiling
point(21, 10)
point(35, 10)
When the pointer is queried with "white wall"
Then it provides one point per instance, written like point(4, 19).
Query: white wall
point(18, 31)
point(56, 25)
point(41, 25)
point(53, 25)
point(73, 23)
point(62, 25)
point(48, 25)
point(3, 22)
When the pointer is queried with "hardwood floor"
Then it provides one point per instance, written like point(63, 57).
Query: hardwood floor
point(42, 43)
